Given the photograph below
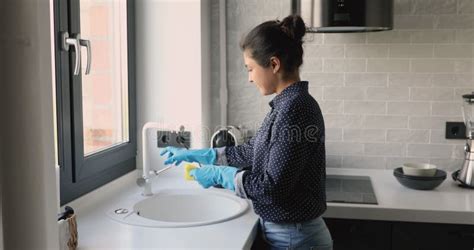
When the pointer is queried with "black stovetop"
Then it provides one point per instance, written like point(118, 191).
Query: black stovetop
point(350, 189)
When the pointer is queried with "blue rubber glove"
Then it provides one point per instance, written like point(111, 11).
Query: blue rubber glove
point(211, 175)
point(177, 155)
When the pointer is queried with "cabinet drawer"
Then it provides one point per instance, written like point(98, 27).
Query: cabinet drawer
point(359, 234)
point(424, 236)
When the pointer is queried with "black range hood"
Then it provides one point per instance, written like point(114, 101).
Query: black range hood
point(343, 16)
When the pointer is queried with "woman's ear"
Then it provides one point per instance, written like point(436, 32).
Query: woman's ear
point(275, 64)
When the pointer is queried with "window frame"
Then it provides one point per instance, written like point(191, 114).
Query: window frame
point(79, 174)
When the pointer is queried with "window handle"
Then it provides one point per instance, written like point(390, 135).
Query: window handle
point(68, 41)
point(87, 44)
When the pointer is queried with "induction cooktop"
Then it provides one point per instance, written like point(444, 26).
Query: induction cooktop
point(350, 189)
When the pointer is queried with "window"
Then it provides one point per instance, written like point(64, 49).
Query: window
point(95, 93)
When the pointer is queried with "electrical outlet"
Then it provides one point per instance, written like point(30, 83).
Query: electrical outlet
point(455, 130)
point(167, 138)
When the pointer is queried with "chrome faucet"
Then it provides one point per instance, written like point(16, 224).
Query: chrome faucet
point(145, 180)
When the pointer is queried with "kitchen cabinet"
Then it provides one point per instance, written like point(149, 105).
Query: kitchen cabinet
point(421, 236)
point(386, 235)
point(359, 234)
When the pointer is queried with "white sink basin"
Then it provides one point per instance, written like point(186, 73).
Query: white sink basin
point(180, 208)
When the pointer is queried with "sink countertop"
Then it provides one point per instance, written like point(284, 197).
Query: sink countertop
point(97, 231)
point(446, 204)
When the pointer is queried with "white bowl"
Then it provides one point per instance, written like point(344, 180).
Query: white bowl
point(419, 169)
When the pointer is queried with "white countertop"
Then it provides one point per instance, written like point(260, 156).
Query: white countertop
point(446, 204)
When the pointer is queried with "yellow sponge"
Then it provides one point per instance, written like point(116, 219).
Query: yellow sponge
point(187, 168)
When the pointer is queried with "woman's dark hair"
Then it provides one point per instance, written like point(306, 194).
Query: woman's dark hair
point(281, 39)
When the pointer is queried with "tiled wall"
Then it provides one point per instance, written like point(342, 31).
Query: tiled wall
point(215, 66)
point(385, 96)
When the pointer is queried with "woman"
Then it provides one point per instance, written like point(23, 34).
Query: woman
point(282, 168)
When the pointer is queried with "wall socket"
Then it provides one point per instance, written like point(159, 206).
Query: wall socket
point(455, 130)
point(167, 138)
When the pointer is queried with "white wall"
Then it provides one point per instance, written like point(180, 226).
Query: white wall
point(28, 173)
point(1, 171)
point(172, 55)
point(2, 114)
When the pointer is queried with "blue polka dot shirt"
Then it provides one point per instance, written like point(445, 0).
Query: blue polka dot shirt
point(283, 167)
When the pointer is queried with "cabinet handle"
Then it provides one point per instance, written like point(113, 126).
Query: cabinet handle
point(66, 42)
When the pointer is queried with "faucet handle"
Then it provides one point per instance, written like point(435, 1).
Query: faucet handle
point(142, 181)
point(157, 172)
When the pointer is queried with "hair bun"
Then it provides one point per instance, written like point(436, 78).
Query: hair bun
point(294, 27)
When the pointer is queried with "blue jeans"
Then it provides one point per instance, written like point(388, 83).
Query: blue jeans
point(312, 234)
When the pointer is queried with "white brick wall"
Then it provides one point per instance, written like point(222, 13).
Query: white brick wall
point(385, 96)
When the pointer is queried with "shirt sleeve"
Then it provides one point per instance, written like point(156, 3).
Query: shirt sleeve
point(289, 148)
point(239, 156)
point(239, 186)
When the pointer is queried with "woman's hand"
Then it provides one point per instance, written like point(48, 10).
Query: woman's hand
point(178, 155)
point(211, 175)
